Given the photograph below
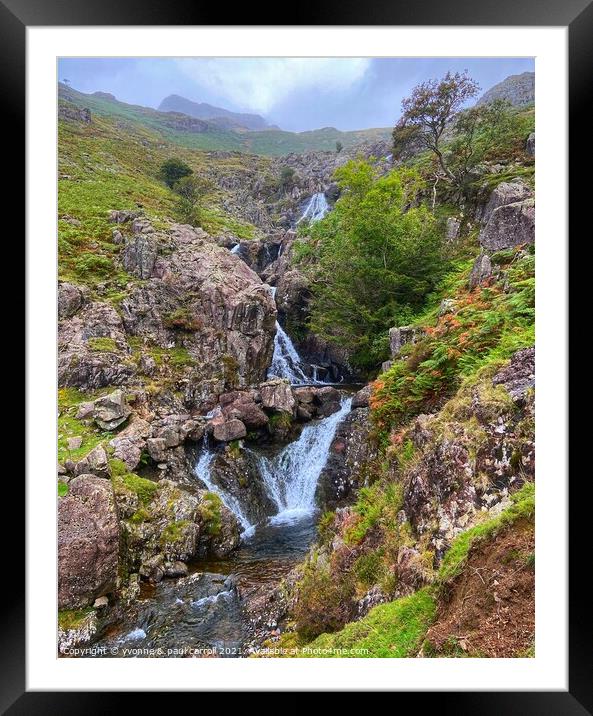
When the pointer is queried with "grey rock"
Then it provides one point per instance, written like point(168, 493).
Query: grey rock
point(94, 463)
point(519, 376)
point(88, 542)
point(229, 430)
point(509, 225)
point(399, 336)
point(111, 410)
point(505, 193)
point(70, 299)
point(481, 271)
point(139, 255)
point(361, 399)
point(530, 144)
point(277, 395)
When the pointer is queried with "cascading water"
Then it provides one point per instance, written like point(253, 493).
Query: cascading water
point(202, 471)
point(291, 477)
point(316, 208)
point(286, 362)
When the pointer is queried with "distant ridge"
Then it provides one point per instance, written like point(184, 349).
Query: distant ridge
point(202, 110)
point(519, 90)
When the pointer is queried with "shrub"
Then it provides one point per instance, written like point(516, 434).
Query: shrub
point(172, 170)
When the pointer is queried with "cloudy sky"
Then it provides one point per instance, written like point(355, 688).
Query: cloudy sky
point(294, 93)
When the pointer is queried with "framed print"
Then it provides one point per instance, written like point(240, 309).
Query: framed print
point(283, 301)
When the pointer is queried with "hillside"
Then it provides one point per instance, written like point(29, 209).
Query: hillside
point(202, 110)
point(215, 133)
point(519, 90)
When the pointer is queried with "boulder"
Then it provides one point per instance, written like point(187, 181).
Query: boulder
point(361, 399)
point(505, 193)
point(452, 228)
point(131, 442)
point(70, 299)
point(122, 216)
point(481, 271)
point(242, 406)
point(229, 430)
point(88, 542)
point(95, 463)
point(509, 225)
point(399, 336)
point(277, 395)
point(111, 411)
point(530, 144)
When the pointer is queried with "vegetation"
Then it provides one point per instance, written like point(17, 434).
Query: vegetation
point(173, 171)
point(191, 191)
point(373, 260)
point(488, 325)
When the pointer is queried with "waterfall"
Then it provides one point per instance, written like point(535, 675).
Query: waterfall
point(236, 248)
point(286, 362)
point(291, 477)
point(316, 208)
point(202, 471)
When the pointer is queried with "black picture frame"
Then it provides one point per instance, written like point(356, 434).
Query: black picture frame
point(16, 15)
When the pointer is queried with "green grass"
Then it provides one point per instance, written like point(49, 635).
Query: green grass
point(102, 344)
point(123, 479)
point(393, 630)
point(73, 618)
point(523, 507)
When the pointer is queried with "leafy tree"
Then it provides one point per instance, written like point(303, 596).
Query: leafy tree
point(190, 190)
point(339, 147)
point(373, 260)
point(287, 175)
point(428, 111)
point(172, 170)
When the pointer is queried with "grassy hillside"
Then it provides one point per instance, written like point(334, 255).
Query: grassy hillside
point(269, 142)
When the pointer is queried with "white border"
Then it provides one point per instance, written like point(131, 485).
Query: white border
point(548, 671)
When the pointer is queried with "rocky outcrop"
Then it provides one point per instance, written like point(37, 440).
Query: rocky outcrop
point(349, 454)
point(171, 526)
point(236, 472)
point(210, 302)
point(399, 336)
point(472, 453)
point(139, 255)
point(505, 193)
point(88, 542)
point(92, 349)
point(481, 271)
point(509, 225)
point(518, 90)
point(71, 299)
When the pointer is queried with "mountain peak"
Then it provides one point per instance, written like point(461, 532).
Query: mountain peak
point(519, 90)
point(202, 110)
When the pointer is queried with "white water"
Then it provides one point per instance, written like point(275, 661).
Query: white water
point(286, 362)
point(291, 477)
point(316, 208)
point(212, 599)
point(236, 249)
point(202, 470)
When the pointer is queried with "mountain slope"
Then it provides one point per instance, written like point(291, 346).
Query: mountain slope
point(213, 134)
point(202, 110)
point(519, 90)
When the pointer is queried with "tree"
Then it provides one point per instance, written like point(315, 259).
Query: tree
point(372, 260)
point(428, 111)
point(172, 170)
point(190, 190)
point(286, 177)
point(339, 147)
